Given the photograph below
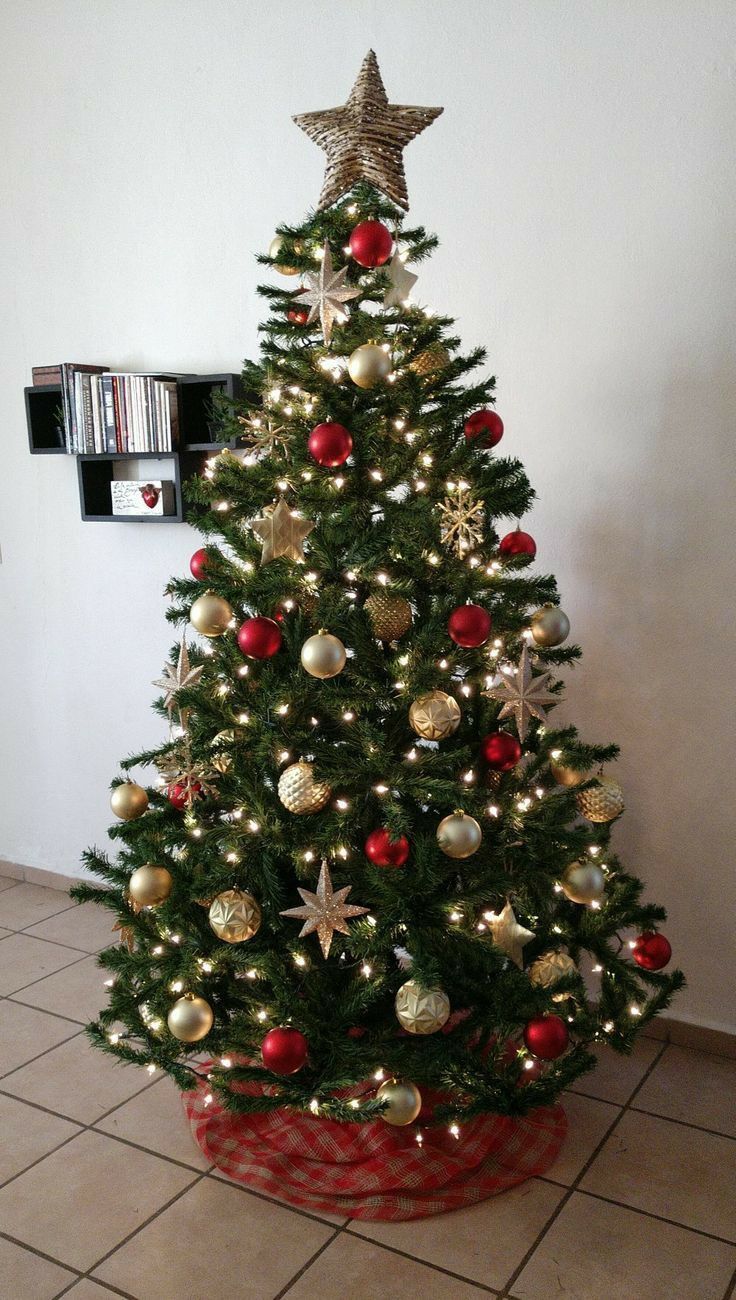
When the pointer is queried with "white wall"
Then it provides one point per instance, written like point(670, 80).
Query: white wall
point(582, 182)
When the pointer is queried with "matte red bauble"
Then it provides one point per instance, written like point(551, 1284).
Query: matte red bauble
point(652, 951)
point(469, 625)
point(518, 543)
point(298, 313)
point(485, 426)
point(382, 851)
point(546, 1037)
point(180, 795)
point(500, 751)
point(284, 1050)
point(371, 243)
point(260, 638)
point(198, 565)
point(330, 444)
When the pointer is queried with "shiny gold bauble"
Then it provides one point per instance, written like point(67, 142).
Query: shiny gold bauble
point(434, 716)
point(150, 885)
point(583, 882)
point(565, 775)
point(419, 1010)
point(190, 1018)
point(549, 625)
point(128, 800)
point(432, 359)
point(210, 614)
point(404, 1102)
point(390, 616)
point(299, 792)
point(549, 968)
point(602, 802)
point(235, 916)
point(459, 836)
point(323, 655)
point(274, 249)
point(369, 365)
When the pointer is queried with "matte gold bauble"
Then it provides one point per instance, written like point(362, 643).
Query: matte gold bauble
point(549, 968)
point(434, 716)
point(299, 792)
point(390, 616)
point(583, 882)
point(404, 1102)
point(323, 655)
point(565, 775)
point(190, 1018)
point(150, 885)
point(432, 359)
point(602, 802)
point(419, 1010)
point(128, 800)
point(235, 916)
point(459, 836)
point(274, 249)
point(549, 625)
point(210, 614)
point(369, 365)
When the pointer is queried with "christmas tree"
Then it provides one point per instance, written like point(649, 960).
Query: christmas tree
point(372, 869)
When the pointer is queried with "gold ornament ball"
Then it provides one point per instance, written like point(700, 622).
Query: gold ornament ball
point(299, 792)
point(549, 968)
point(274, 249)
point(419, 1010)
point(190, 1018)
point(323, 655)
point(459, 836)
point(128, 801)
point(602, 802)
point(432, 359)
point(583, 882)
point(235, 916)
point(390, 616)
point(565, 775)
point(150, 885)
point(369, 364)
point(434, 716)
point(404, 1102)
point(210, 614)
point(549, 625)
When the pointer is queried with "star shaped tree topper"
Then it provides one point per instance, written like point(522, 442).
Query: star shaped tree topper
point(522, 695)
point(282, 533)
point(326, 911)
point(327, 293)
point(507, 934)
point(365, 137)
point(178, 676)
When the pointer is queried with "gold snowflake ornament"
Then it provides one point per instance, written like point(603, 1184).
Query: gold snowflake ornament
point(522, 695)
point(325, 911)
point(461, 521)
point(262, 436)
point(326, 294)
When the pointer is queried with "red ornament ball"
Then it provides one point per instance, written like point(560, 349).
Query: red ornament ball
point(330, 444)
point(284, 1050)
point(485, 426)
point(260, 638)
point(371, 243)
point(500, 751)
point(198, 565)
point(546, 1037)
point(180, 795)
point(517, 543)
point(469, 626)
point(652, 951)
point(298, 313)
point(382, 851)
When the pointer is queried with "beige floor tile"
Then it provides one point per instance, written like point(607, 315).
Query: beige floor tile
point(25, 1276)
point(25, 1033)
point(7, 882)
point(85, 926)
point(616, 1076)
point(677, 1172)
point(76, 1080)
point(693, 1087)
point(155, 1119)
point(215, 1241)
point(24, 960)
point(596, 1251)
point(28, 1134)
point(4, 933)
point(484, 1243)
point(588, 1120)
point(80, 1201)
point(26, 904)
point(343, 1270)
point(77, 992)
point(89, 1290)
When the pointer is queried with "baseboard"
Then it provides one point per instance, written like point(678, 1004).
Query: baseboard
point(37, 875)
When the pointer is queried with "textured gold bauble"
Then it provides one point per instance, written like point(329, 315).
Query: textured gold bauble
point(565, 775)
point(299, 792)
point(430, 361)
point(459, 836)
point(390, 616)
point(602, 802)
point(210, 614)
point(583, 882)
point(434, 716)
point(235, 916)
point(549, 968)
point(128, 800)
point(369, 365)
point(404, 1102)
point(190, 1018)
point(150, 885)
point(419, 1010)
point(323, 655)
point(549, 625)
point(274, 249)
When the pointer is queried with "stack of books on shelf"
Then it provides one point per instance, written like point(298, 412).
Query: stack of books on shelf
point(114, 412)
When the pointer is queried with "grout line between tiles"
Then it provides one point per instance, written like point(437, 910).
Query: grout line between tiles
point(75, 962)
point(46, 1051)
point(699, 1128)
point(285, 1289)
point(50, 1259)
point(30, 1006)
point(731, 1288)
point(415, 1259)
point(215, 1174)
point(127, 1295)
point(647, 1214)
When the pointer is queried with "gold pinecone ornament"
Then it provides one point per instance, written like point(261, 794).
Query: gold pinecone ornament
point(390, 616)
point(602, 802)
point(435, 715)
point(235, 916)
point(299, 792)
point(430, 361)
point(420, 1010)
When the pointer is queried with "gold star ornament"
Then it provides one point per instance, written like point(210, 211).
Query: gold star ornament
point(522, 695)
point(365, 138)
point(507, 934)
point(326, 294)
point(282, 533)
point(326, 911)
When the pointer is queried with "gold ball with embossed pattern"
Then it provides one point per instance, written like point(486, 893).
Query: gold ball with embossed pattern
point(390, 616)
point(550, 967)
point(404, 1102)
point(299, 792)
point(235, 916)
point(420, 1010)
point(435, 715)
point(190, 1018)
point(602, 802)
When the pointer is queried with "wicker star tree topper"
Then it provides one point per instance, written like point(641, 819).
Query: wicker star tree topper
point(522, 695)
point(327, 293)
point(326, 911)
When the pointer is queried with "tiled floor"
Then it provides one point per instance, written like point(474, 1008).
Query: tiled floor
point(103, 1192)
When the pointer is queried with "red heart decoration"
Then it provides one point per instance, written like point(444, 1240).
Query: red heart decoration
point(150, 495)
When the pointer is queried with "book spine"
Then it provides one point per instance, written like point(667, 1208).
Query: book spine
point(172, 410)
point(43, 375)
point(96, 413)
point(65, 405)
point(108, 413)
point(118, 413)
point(88, 424)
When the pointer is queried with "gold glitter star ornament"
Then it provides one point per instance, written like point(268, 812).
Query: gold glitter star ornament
point(178, 676)
point(326, 294)
point(522, 695)
point(507, 934)
point(325, 911)
point(282, 533)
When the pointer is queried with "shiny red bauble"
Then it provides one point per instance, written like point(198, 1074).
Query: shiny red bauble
point(260, 638)
point(546, 1037)
point(330, 444)
point(652, 951)
point(181, 794)
point(382, 851)
point(485, 426)
point(500, 751)
point(371, 243)
point(284, 1050)
point(517, 543)
point(469, 626)
point(198, 565)
point(298, 313)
